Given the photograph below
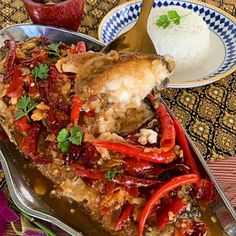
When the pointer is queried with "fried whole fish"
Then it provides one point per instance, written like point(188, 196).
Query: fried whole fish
point(96, 139)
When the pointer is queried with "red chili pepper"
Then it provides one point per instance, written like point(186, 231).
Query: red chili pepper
point(17, 72)
point(161, 192)
point(176, 206)
point(148, 154)
point(127, 180)
point(90, 113)
point(38, 54)
point(29, 143)
point(11, 45)
point(80, 47)
point(89, 173)
point(32, 86)
point(120, 179)
point(183, 142)
point(133, 166)
point(132, 190)
point(30, 81)
point(15, 88)
point(43, 55)
point(75, 109)
point(21, 124)
point(167, 128)
point(199, 229)
point(128, 209)
point(205, 188)
point(205, 191)
point(185, 231)
point(196, 229)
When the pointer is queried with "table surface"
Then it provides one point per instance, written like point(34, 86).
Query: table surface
point(208, 113)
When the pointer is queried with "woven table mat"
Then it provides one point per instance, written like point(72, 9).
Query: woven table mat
point(208, 113)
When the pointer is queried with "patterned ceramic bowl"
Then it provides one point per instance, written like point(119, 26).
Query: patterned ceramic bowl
point(221, 59)
point(66, 14)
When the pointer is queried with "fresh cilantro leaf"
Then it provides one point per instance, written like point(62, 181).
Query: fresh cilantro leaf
point(64, 146)
point(19, 114)
point(171, 17)
point(163, 21)
point(53, 49)
point(76, 135)
point(110, 175)
point(25, 105)
point(40, 71)
point(64, 138)
point(174, 16)
point(62, 135)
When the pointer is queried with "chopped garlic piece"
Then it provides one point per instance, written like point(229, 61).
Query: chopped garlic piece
point(213, 219)
point(42, 106)
point(13, 101)
point(37, 115)
point(147, 136)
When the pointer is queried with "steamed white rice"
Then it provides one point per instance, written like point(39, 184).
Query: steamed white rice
point(187, 42)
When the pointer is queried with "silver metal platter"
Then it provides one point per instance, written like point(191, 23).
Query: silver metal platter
point(21, 177)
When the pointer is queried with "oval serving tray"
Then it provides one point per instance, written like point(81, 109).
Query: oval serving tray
point(21, 177)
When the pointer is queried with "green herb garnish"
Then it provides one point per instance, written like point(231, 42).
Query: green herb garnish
point(65, 137)
point(76, 135)
point(40, 71)
point(53, 49)
point(171, 17)
point(25, 105)
point(110, 175)
point(63, 140)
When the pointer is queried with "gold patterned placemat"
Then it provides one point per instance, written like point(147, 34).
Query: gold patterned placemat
point(209, 115)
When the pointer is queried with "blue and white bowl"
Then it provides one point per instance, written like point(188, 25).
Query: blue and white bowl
point(221, 59)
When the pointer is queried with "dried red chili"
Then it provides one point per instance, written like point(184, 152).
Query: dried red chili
point(162, 191)
point(15, 88)
point(75, 109)
point(128, 209)
point(176, 206)
point(167, 129)
point(183, 142)
point(22, 124)
point(11, 45)
point(205, 191)
point(133, 166)
point(29, 143)
point(148, 154)
point(167, 126)
point(119, 179)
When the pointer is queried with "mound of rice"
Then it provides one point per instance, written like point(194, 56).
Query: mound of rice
point(187, 42)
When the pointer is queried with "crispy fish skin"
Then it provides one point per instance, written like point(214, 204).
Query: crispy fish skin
point(123, 77)
point(115, 84)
